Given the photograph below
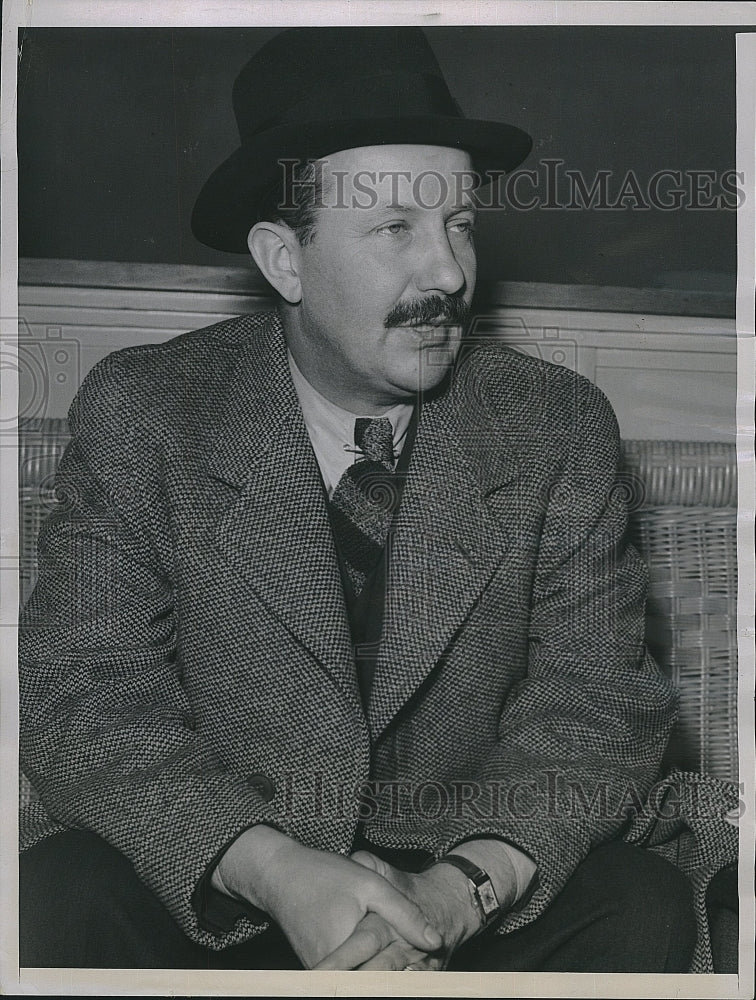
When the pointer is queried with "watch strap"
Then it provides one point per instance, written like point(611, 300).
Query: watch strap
point(483, 891)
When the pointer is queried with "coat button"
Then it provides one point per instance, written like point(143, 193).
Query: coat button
point(262, 785)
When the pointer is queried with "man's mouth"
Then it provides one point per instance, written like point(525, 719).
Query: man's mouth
point(429, 314)
point(440, 321)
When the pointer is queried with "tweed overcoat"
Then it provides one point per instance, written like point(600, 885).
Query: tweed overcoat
point(186, 666)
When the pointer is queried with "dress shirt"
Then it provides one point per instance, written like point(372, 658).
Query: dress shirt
point(331, 429)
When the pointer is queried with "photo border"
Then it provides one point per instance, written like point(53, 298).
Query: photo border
point(187, 13)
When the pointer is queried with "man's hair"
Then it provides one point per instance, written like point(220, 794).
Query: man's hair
point(293, 200)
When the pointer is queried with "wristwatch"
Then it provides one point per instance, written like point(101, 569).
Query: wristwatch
point(482, 888)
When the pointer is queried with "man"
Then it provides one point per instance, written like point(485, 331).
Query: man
point(337, 642)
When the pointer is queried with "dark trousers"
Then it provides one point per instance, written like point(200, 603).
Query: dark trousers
point(83, 906)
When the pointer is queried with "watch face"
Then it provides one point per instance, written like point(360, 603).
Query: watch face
point(488, 899)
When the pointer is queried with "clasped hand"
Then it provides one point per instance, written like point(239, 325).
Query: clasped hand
point(375, 946)
point(320, 899)
point(347, 913)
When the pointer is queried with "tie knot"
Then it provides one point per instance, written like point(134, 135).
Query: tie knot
point(375, 439)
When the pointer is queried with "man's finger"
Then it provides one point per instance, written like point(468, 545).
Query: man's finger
point(395, 958)
point(368, 860)
point(405, 917)
point(371, 936)
point(428, 963)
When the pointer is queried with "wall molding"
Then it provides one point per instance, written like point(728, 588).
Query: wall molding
point(243, 279)
point(669, 375)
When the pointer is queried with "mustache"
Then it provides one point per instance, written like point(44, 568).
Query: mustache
point(433, 309)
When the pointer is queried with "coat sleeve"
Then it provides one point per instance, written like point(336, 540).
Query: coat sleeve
point(107, 732)
point(580, 738)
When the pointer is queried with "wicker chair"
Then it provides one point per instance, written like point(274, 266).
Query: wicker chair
point(683, 500)
point(683, 496)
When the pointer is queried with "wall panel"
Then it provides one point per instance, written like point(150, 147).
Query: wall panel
point(667, 376)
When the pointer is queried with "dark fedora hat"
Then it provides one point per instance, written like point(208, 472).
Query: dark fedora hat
point(310, 92)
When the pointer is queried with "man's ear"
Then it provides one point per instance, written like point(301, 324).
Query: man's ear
point(274, 250)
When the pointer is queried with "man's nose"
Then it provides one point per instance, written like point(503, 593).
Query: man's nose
point(439, 270)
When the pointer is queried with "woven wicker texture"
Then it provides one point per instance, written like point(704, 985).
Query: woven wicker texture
point(684, 525)
point(682, 496)
point(680, 473)
point(41, 443)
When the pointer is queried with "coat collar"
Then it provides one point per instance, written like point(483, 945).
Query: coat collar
point(260, 401)
point(276, 533)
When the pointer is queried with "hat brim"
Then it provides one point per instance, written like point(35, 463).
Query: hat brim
point(226, 206)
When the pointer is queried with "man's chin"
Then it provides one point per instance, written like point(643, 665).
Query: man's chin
point(423, 364)
point(428, 378)
point(435, 362)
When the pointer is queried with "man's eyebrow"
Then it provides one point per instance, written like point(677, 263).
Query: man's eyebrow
point(466, 206)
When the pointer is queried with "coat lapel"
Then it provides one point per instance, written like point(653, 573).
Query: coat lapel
point(456, 522)
point(275, 532)
point(451, 533)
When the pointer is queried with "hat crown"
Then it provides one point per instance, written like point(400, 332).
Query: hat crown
point(310, 92)
point(300, 64)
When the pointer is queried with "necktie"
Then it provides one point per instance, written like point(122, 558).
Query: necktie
point(365, 499)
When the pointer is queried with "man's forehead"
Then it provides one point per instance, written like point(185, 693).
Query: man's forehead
point(398, 155)
point(405, 177)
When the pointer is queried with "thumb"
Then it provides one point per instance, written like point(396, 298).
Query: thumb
point(368, 860)
point(406, 917)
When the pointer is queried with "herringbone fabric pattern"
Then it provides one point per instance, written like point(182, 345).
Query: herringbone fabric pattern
point(365, 499)
point(188, 631)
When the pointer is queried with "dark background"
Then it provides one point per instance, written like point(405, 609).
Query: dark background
point(118, 129)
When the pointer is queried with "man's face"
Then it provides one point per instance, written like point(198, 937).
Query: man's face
point(388, 278)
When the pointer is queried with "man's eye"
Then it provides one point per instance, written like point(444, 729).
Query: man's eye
point(393, 228)
point(463, 226)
